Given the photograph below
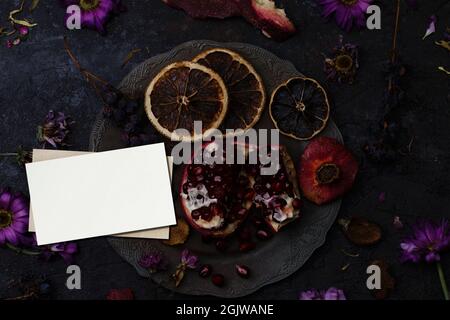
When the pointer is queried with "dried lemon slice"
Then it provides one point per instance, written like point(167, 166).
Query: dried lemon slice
point(299, 108)
point(246, 92)
point(182, 93)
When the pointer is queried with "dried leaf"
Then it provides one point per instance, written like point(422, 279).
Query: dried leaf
point(443, 44)
point(34, 4)
point(24, 22)
point(130, 56)
point(352, 255)
point(178, 275)
point(344, 268)
point(444, 70)
point(387, 281)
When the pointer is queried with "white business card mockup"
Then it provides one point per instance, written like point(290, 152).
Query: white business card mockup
point(101, 194)
point(49, 154)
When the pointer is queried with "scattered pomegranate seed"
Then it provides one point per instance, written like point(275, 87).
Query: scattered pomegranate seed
point(218, 280)
point(246, 246)
point(263, 234)
point(243, 271)
point(296, 203)
point(205, 271)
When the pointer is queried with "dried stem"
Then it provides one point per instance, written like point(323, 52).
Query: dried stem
point(91, 78)
point(396, 28)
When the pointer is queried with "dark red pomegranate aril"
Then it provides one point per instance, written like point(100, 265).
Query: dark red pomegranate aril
point(243, 271)
point(196, 214)
point(277, 186)
point(296, 203)
point(207, 215)
point(218, 280)
point(205, 271)
point(198, 171)
point(263, 234)
point(246, 246)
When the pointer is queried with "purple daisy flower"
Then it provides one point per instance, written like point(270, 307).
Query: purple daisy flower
point(96, 13)
point(347, 12)
point(14, 211)
point(329, 294)
point(54, 130)
point(427, 242)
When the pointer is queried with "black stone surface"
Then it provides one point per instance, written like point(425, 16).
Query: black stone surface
point(37, 76)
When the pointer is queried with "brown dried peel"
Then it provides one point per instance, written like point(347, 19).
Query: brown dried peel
point(178, 233)
point(361, 231)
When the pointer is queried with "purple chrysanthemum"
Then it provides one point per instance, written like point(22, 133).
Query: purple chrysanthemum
point(153, 262)
point(427, 242)
point(329, 294)
point(14, 211)
point(54, 129)
point(96, 13)
point(66, 250)
point(348, 12)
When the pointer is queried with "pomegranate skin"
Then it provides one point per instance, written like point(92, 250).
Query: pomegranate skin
point(324, 152)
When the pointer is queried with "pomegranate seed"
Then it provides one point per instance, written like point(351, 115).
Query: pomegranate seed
point(263, 234)
point(207, 215)
point(243, 271)
point(246, 246)
point(216, 210)
point(277, 186)
point(218, 280)
point(249, 195)
point(197, 171)
point(221, 245)
point(205, 271)
point(296, 203)
point(195, 214)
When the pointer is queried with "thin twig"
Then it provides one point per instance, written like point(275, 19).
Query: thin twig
point(396, 29)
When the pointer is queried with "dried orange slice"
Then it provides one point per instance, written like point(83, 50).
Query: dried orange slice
point(182, 93)
point(299, 108)
point(246, 92)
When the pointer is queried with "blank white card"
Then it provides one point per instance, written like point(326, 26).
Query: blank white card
point(101, 194)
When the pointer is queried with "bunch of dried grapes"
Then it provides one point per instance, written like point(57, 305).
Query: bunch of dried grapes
point(126, 113)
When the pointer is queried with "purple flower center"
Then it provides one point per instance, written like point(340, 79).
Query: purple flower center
point(88, 5)
point(348, 2)
point(5, 219)
point(344, 63)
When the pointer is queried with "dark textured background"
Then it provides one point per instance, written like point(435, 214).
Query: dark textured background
point(37, 76)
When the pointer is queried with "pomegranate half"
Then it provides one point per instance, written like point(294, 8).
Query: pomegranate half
point(217, 198)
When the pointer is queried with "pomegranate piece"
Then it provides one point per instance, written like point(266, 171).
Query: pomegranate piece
point(218, 280)
point(217, 198)
point(327, 170)
point(263, 14)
